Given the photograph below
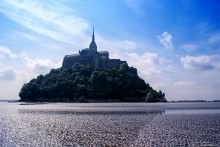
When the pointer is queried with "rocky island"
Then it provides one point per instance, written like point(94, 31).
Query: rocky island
point(90, 76)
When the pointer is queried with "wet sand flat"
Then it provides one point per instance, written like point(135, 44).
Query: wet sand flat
point(109, 125)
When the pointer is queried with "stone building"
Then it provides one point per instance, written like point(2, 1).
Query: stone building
point(91, 56)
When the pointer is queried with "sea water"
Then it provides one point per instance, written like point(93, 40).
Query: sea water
point(103, 124)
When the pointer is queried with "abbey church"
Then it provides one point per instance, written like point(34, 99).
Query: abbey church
point(92, 57)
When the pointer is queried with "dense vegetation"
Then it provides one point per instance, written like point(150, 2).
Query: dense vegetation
point(82, 83)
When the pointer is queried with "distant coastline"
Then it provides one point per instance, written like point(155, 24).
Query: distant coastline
point(182, 101)
point(109, 101)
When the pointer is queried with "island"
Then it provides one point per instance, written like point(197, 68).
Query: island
point(90, 76)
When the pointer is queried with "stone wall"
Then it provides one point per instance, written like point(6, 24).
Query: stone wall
point(93, 60)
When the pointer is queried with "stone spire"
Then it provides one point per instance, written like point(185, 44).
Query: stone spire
point(93, 36)
point(93, 46)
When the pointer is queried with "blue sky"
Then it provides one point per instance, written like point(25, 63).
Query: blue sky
point(174, 44)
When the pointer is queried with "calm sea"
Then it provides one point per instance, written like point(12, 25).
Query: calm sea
point(103, 124)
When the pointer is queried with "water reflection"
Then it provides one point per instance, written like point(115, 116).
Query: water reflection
point(78, 126)
point(89, 111)
point(193, 111)
point(107, 124)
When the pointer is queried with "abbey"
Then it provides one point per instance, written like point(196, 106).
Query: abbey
point(91, 56)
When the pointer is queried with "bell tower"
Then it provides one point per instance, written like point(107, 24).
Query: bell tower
point(93, 46)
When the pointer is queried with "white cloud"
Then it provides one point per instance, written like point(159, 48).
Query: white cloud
point(166, 40)
point(10, 88)
point(129, 45)
point(14, 72)
point(182, 83)
point(6, 52)
point(40, 66)
point(7, 74)
point(159, 85)
point(49, 18)
point(116, 47)
point(27, 36)
point(36, 65)
point(190, 47)
point(147, 63)
point(203, 62)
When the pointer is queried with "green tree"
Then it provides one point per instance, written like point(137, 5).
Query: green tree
point(82, 82)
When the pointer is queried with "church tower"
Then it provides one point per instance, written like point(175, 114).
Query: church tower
point(93, 46)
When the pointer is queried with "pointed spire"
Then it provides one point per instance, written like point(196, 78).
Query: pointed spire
point(93, 35)
point(93, 45)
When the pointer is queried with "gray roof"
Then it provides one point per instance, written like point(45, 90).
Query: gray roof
point(85, 49)
point(73, 55)
point(103, 52)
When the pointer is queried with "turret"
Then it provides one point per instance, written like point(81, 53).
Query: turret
point(93, 46)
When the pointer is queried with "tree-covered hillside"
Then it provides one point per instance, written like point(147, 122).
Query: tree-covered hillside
point(82, 83)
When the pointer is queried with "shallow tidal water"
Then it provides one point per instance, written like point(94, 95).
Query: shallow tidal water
point(110, 124)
